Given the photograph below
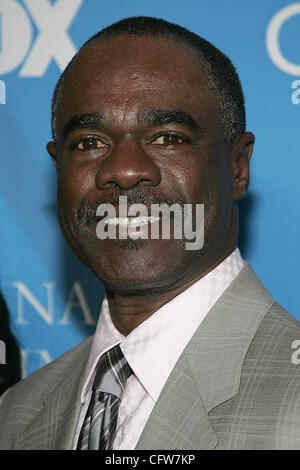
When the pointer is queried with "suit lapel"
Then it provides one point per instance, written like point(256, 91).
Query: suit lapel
point(179, 419)
point(217, 351)
point(209, 370)
point(54, 424)
point(67, 413)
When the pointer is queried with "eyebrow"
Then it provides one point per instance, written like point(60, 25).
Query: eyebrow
point(158, 117)
point(151, 117)
point(83, 121)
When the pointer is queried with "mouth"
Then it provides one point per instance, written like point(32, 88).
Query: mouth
point(134, 227)
point(132, 222)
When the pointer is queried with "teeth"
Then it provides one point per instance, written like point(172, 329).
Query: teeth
point(132, 221)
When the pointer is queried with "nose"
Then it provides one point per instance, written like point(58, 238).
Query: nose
point(127, 166)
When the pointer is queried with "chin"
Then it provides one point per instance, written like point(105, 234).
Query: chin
point(132, 266)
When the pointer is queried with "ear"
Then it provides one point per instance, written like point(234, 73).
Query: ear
point(51, 149)
point(240, 155)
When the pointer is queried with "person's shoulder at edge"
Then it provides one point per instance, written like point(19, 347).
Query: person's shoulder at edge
point(281, 329)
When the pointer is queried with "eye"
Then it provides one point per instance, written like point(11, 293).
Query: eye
point(89, 143)
point(168, 140)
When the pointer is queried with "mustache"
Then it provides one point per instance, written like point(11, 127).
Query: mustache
point(85, 215)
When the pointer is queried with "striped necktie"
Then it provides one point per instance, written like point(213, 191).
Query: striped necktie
point(99, 427)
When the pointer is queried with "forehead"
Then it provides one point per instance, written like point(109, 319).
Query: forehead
point(136, 72)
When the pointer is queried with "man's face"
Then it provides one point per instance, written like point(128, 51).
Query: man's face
point(137, 119)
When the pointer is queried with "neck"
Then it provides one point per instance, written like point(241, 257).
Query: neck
point(129, 311)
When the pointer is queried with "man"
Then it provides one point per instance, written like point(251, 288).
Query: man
point(150, 111)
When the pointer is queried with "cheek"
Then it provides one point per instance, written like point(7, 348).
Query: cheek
point(201, 173)
point(183, 180)
point(219, 202)
point(74, 184)
point(209, 182)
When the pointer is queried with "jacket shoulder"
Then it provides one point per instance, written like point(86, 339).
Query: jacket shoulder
point(278, 332)
point(267, 401)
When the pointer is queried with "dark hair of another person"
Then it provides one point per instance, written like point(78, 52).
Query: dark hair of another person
point(10, 372)
point(222, 78)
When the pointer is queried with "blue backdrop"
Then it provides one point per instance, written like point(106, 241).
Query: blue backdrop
point(53, 299)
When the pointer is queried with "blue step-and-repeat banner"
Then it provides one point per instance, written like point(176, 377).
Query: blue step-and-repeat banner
point(54, 300)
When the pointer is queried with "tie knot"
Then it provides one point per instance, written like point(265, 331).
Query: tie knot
point(112, 373)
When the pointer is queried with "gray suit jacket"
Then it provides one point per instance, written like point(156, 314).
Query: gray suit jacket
point(234, 387)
